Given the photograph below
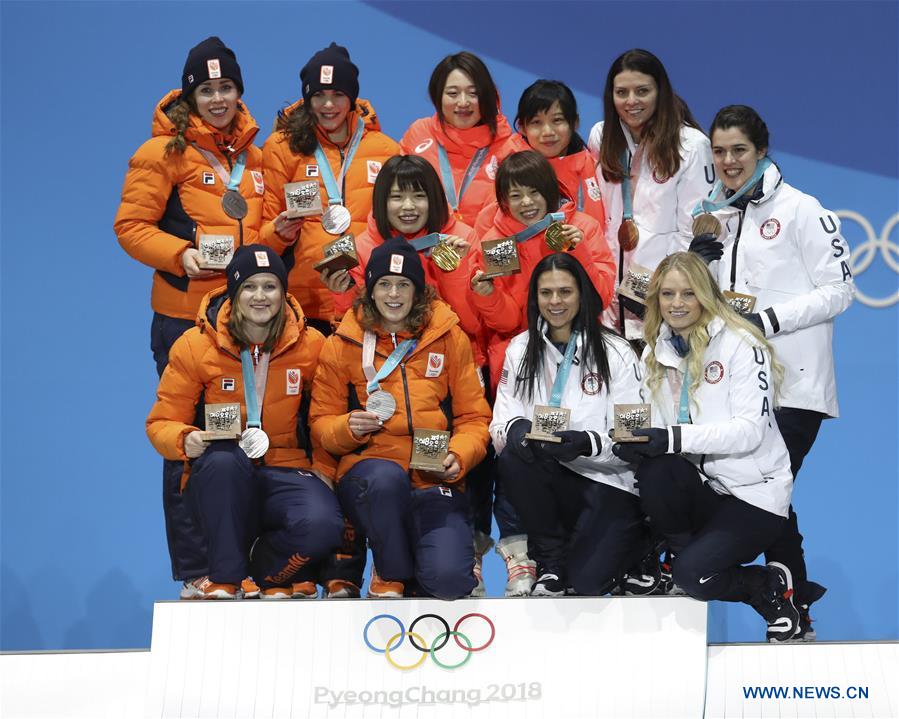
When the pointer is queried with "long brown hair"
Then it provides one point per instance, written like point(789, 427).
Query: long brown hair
point(237, 325)
point(179, 113)
point(661, 134)
point(370, 319)
point(298, 127)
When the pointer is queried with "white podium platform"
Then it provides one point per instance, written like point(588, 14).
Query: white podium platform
point(558, 658)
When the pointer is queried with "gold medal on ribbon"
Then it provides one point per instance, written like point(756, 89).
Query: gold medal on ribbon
point(628, 235)
point(556, 239)
point(445, 256)
point(706, 224)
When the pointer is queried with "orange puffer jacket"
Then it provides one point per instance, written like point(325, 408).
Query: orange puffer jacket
point(439, 370)
point(204, 365)
point(283, 166)
point(426, 133)
point(169, 201)
point(504, 312)
point(576, 174)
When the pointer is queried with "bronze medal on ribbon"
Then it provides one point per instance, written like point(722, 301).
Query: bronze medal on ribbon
point(234, 205)
point(556, 239)
point(445, 257)
point(336, 219)
point(628, 235)
point(706, 224)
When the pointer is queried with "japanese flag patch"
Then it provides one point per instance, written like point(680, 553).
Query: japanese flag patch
point(293, 381)
point(227, 384)
point(435, 364)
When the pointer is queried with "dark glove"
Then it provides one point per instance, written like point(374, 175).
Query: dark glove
point(657, 444)
point(516, 442)
point(632, 306)
point(707, 247)
point(756, 319)
point(628, 452)
point(574, 444)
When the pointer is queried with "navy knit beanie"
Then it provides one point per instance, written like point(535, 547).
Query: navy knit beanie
point(252, 260)
point(394, 257)
point(208, 61)
point(330, 69)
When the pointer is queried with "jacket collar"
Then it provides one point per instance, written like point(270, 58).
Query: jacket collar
point(243, 132)
point(664, 351)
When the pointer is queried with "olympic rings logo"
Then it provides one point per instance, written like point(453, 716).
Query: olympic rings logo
point(863, 255)
point(436, 644)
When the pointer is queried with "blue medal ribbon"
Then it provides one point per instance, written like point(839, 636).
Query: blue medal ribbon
point(446, 174)
point(708, 205)
point(237, 171)
point(398, 355)
point(427, 243)
point(332, 185)
point(626, 194)
point(683, 412)
point(249, 389)
point(538, 227)
point(580, 197)
point(555, 398)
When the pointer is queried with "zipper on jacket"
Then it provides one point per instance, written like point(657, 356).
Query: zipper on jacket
point(733, 258)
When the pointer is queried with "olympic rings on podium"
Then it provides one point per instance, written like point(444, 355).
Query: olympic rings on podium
point(419, 643)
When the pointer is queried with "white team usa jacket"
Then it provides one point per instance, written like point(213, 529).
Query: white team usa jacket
point(733, 439)
point(787, 251)
point(662, 207)
point(590, 404)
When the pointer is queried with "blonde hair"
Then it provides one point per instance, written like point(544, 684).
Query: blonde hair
point(237, 324)
point(712, 304)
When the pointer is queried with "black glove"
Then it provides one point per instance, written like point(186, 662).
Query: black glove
point(632, 305)
point(628, 452)
point(574, 444)
point(657, 444)
point(707, 247)
point(516, 442)
point(756, 319)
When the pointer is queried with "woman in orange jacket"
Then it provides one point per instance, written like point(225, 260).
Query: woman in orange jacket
point(334, 139)
point(398, 363)
point(462, 138)
point(196, 183)
point(253, 356)
point(409, 203)
point(547, 122)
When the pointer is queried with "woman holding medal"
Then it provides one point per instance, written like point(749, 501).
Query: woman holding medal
point(576, 500)
point(398, 365)
point(462, 138)
point(333, 139)
point(784, 254)
point(198, 177)
point(654, 166)
point(547, 122)
point(251, 349)
point(714, 473)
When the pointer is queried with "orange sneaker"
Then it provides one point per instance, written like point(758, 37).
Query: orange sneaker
point(276, 593)
point(304, 590)
point(381, 589)
point(249, 588)
point(341, 589)
point(204, 588)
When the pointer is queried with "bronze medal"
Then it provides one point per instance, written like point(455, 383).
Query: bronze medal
point(628, 235)
point(445, 257)
point(556, 239)
point(234, 205)
point(706, 224)
point(336, 219)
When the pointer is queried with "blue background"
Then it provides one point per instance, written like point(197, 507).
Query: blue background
point(83, 547)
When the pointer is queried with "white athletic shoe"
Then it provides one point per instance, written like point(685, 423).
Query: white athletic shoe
point(520, 569)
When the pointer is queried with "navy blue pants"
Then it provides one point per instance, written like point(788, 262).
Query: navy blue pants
point(799, 428)
point(488, 496)
point(586, 532)
point(294, 514)
point(415, 534)
point(187, 546)
point(711, 534)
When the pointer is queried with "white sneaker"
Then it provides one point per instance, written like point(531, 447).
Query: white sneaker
point(482, 544)
point(520, 569)
point(204, 588)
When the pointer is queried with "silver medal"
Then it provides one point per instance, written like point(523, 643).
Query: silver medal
point(382, 404)
point(336, 219)
point(254, 442)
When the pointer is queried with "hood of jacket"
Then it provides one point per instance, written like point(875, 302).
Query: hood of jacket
point(215, 311)
point(243, 131)
point(441, 321)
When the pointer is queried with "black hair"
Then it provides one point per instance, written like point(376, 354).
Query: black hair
point(745, 119)
point(539, 97)
point(474, 67)
point(587, 321)
point(410, 172)
point(527, 169)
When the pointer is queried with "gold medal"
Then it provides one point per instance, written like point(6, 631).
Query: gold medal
point(445, 257)
point(556, 239)
point(706, 224)
point(628, 235)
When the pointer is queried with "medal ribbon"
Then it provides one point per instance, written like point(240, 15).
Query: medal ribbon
point(446, 174)
point(230, 179)
point(254, 381)
point(369, 340)
point(332, 185)
point(708, 205)
point(538, 227)
point(580, 196)
point(555, 398)
point(627, 192)
point(427, 243)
